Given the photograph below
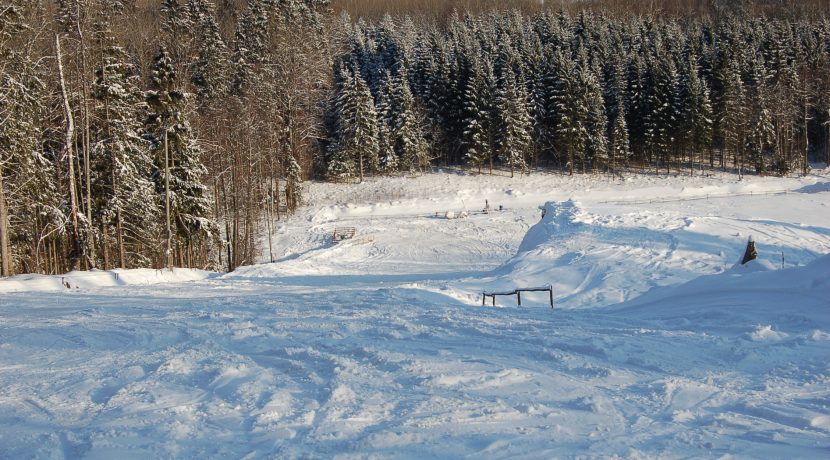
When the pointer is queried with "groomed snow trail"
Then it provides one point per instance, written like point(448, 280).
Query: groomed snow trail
point(378, 348)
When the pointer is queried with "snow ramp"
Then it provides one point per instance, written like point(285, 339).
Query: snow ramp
point(597, 260)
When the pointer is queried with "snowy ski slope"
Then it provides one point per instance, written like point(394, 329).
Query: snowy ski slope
point(378, 347)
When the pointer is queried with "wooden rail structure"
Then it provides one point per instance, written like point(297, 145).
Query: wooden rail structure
point(518, 293)
point(342, 233)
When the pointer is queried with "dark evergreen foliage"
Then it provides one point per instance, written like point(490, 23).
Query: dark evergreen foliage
point(254, 96)
point(605, 94)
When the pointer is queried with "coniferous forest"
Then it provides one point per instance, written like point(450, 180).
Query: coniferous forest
point(147, 133)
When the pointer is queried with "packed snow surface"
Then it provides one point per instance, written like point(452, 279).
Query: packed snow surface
point(658, 345)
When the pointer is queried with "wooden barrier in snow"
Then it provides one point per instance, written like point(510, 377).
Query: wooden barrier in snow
point(518, 293)
point(342, 233)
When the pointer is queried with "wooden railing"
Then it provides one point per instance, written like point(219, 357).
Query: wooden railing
point(342, 233)
point(518, 293)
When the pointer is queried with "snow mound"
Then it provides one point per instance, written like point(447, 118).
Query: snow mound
point(795, 300)
point(99, 278)
point(592, 260)
point(558, 218)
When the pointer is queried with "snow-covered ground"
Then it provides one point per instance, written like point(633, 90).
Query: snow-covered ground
point(379, 346)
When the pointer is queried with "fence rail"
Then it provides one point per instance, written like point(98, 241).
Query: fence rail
point(343, 233)
point(518, 293)
point(708, 196)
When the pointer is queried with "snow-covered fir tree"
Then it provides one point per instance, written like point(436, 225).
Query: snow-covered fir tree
point(387, 158)
point(209, 70)
point(167, 129)
point(355, 147)
point(122, 164)
point(407, 134)
point(478, 114)
point(515, 125)
point(293, 185)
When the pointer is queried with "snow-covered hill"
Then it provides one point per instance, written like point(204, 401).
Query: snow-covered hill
point(658, 346)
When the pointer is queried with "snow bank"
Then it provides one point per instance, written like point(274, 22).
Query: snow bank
point(363, 350)
point(99, 278)
point(764, 304)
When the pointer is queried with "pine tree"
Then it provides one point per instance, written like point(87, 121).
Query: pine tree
point(476, 119)
point(387, 158)
point(619, 145)
point(209, 70)
point(515, 124)
point(760, 125)
point(179, 27)
point(121, 159)
point(596, 148)
point(575, 93)
point(695, 116)
point(544, 104)
point(167, 128)
point(729, 111)
point(250, 45)
point(293, 185)
point(356, 135)
point(637, 105)
point(407, 135)
point(661, 117)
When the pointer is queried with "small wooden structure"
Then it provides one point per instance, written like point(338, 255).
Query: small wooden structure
point(518, 293)
point(342, 233)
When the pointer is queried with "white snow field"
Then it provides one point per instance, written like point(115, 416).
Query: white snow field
point(379, 346)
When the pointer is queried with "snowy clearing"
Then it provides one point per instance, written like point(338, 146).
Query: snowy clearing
point(378, 346)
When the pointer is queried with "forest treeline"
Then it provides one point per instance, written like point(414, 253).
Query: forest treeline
point(148, 133)
point(584, 92)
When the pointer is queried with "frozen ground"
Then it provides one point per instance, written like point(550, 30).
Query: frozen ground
point(379, 346)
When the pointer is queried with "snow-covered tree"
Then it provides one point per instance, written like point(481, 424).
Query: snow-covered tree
point(478, 114)
point(355, 148)
point(168, 131)
point(209, 70)
point(293, 185)
point(515, 124)
point(250, 46)
point(30, 203)
point(121, 160)
point(695, 115)
point(387, 158)
point(407, 133)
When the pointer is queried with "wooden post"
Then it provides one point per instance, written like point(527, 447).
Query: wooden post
point(551, 296)
point(519, 297)
point(483, 298)
point(494, 300)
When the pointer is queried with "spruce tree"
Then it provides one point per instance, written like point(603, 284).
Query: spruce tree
point(293, 185)
point(209, 70)
point(661, 118)
point(407, 134)
point(121, 159)
point(477, 149)
point(387, 158)
point(249, 51)
point(168, 131)
point(514, 122)
point(574, 85)
point(355, 148)
point(729, 111)
point(760, 126)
